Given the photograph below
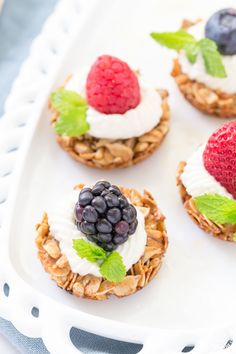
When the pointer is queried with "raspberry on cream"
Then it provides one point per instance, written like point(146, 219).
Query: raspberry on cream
point(133, 123)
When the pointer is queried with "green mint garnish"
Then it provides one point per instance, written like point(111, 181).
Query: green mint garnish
point(217, 208)
point(184, 40)
point(174, 40)
point(113, 268)
point(89, 251)
point(72, 108)
point(212, 58)
point(192, 51)
point(111, 264)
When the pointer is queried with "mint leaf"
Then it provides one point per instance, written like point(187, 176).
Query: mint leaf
point(174, 40)
point(212, 58)
point(113, 268)
point(88, 250)
point(192, 51)
point(73, 123)
point(64, 100)
point(217, 208)
point(72, 108)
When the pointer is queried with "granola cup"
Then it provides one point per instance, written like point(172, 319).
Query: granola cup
point(207, 100)
point(97, 288)
point(109, 154)
point(224, 232)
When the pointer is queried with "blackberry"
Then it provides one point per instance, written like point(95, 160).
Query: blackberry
point(105, 215)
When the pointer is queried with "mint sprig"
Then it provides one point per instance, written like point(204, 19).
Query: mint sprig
point(185, 41)
point(111, 264)
point(212, 58)
point(217, 208)
point(174, 40)
point(88, 250)
point(113, 268)
point(72, 109)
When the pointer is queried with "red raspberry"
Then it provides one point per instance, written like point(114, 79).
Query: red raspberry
point(112, 87)
point(219, 156)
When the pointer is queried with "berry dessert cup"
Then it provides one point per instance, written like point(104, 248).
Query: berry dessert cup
point(105, 119)
point(207, 184)
point(206, 65)
point(102, 241)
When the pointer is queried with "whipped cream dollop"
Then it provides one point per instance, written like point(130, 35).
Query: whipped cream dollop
point(64, 230)
point(133, 123)
point(197, 180)
point(197, 71)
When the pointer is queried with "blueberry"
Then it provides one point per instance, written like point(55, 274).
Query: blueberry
point(85, 198)
point(99, 204)
point(104, 226)
point(129, 214)
point(104, 237)
point(112, 200)
point(104, 183)
point(87, 228)
point(115, 190)
point(122, 227)
point(123, 201)
point(133, 227)
point(221, 28)
point(97, 189)
point(114, 215)
point(79, 212)
point(90, 214)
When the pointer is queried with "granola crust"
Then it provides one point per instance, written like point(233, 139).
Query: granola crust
point(109, 154)
point(97, 288)
point(224, 232)
point(207, 100)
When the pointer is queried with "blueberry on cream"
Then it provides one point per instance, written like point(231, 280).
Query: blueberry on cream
point(205, 67)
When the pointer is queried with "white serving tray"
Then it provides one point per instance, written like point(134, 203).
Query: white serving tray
point(192, 299)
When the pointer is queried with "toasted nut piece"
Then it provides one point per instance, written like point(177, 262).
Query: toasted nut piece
point(52, 248)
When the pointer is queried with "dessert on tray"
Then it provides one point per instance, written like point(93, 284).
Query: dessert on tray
point(207, 184)
point(206, 64)
point(102, 240)
point(104, 117)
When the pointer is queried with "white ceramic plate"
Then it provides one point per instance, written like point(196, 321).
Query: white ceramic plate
point(191, 301)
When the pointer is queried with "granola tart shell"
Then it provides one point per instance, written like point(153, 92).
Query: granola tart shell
point(108, 153)
point(97, 288)
point(224, 232)
point(207, 100)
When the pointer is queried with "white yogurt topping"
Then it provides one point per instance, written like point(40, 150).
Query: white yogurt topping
point(198, 72)
point(133, 123)
point(197, 179)
point(63, 228)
